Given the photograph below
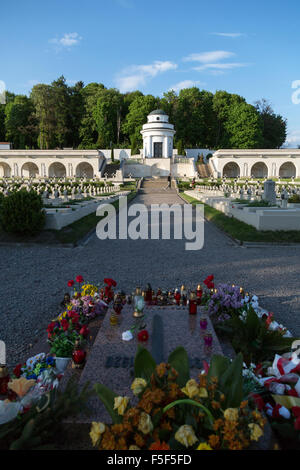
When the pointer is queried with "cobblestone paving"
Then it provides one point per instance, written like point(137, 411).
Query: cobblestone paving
point(33, 280)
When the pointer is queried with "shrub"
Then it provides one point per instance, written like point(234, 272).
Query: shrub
point(295, 199)
point(22, 212)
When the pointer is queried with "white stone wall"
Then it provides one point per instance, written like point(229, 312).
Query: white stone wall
point(257, 162)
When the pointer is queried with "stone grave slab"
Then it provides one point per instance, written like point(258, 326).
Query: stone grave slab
point(111, 359)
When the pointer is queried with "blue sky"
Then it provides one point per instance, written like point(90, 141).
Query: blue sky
point(249, 48)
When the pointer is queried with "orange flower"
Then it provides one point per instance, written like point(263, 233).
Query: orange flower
point(215, 404)
point(139, 440)
point(159, 446)
point(218, 424)
point(244, 404)
point(121, 444)
point(214, 440)
point(166, 426)
point(108, 441)
point(161, 369)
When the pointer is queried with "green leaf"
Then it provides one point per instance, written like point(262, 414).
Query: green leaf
point(231, 382)
point(144, 364)
point(180, 361)
point(218, 366)
point(107, 397)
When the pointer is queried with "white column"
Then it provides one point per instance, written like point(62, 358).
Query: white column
point(150, 151)
point(165, 151)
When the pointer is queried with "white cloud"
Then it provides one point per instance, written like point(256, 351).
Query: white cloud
point(137, 75)
point(206, 57)
point(68, 40)
point(185, 84)
point(211, 61)
point(222, 66)
point(293, 139)
point(229, 35)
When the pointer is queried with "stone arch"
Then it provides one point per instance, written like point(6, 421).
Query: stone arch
point(259, 170)
point(231, 170)
point(85, 170)
point(57, 170)
point(5, 170)
point(287, 170)
point(29, 170)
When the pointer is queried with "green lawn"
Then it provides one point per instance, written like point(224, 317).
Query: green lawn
point(241, 231)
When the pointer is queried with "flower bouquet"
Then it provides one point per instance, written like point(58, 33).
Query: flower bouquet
point(177, 412)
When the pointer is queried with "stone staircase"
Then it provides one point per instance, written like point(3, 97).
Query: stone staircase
point(110, 169)
point(156, 185)
point(204, 170)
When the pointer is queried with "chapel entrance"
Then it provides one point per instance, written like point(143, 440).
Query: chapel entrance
point(158, 149)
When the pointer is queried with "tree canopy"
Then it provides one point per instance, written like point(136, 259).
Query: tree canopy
point(93, 116)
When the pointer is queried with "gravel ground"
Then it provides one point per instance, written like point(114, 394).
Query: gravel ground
point(33, 280)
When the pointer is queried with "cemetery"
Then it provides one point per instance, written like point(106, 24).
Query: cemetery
point(196, 364)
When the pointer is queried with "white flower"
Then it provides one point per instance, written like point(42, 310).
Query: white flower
point(127, 335)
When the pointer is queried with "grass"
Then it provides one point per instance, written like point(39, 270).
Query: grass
point(244, 232)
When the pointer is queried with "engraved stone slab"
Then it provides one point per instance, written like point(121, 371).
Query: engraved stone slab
point(111, 359)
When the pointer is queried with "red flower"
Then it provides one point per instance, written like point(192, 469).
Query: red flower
point(143, 335)
point(51, 327)
point(157, 445)
point(296, 411)
point(208, 282)
point(78, 356)
point(258, 401)
point(79, 279)
point(110, 282)
point(297, 424)
point(65, 324)
point(70, 283)
point(84, 331)
point(17, 371)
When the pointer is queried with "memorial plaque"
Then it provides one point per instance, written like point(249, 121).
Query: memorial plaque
point(111, 359)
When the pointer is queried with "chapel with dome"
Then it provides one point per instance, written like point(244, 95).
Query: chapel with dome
point(158, 135)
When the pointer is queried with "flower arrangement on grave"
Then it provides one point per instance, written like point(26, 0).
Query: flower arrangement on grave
point(177, 412)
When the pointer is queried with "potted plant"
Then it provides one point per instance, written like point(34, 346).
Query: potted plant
point(62, 347)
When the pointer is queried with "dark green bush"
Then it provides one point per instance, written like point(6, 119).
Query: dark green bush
point(22, 212)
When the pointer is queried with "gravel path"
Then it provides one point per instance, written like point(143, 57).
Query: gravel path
point(33, 280)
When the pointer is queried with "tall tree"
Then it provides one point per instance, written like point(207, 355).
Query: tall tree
point(244, 127)
point(88, 128)
point(20, 122)
point(274, 126)
point(44, 101)
point(139, 109)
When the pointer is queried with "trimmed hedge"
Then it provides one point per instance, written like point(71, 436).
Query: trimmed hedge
point(22, 213)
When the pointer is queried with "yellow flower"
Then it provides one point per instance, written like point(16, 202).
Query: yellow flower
point(186, 436)
point(191, 389)
point(120, 404)
point(138, 385)
point(256, 431)
point(133, 447)
point(145, 423)
point(231, 414)
point(96, 430)
point(204, 446)
point(21, 386)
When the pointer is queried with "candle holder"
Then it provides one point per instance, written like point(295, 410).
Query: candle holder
point(139, 303)
point(208, 339)
point(193, 303)
point(203, 323)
